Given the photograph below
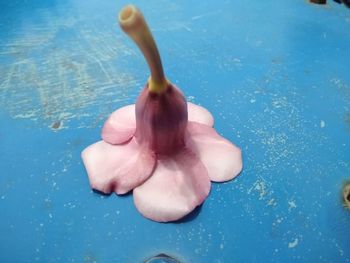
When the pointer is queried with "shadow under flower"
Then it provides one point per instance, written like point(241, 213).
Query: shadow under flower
point(190, 217)
point(97, 192)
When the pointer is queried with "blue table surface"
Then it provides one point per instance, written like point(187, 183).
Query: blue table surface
point(276, 76)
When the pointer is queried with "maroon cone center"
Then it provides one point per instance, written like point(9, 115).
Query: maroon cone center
point(161, 120)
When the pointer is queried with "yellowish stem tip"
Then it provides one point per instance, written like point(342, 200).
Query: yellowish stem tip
point(156, 86)
point(133, 24)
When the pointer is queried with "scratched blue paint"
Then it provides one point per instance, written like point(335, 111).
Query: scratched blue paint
point(274, 74)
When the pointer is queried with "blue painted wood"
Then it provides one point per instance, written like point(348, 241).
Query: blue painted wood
point(274, 74)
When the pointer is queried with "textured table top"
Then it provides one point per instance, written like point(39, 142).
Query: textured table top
point(275, 75)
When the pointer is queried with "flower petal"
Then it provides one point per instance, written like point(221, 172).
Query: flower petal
point(222, 159)
point(118, 168)
point(178, 184)
point(120, 126)
point(199, 114)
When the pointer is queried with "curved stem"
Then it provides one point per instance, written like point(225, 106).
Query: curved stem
point(133, 24)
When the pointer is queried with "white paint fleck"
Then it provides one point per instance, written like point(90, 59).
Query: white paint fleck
point(322, 124)
point(279, 220)
point(190, 98)
point(69, 205)
point(261, 188)
point(294, 243)
point(292, 204)
point(272, 202)
point(206, 14)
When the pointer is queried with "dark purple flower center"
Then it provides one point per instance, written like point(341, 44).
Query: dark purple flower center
point(161, 120)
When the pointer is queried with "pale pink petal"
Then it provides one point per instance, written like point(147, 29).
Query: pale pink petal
point(222, 159)
point(118, 168)
point(199, 114)
point(178, 184)
point(120, 126)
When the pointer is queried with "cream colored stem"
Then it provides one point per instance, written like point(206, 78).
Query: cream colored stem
point(133, 23)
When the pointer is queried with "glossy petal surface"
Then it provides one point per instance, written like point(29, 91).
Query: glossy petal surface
point(118, 168)
point(199, 114)
point(120, 126)
point(178, 184)
point(222, 159)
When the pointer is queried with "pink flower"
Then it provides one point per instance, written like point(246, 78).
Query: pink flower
point(162, 148)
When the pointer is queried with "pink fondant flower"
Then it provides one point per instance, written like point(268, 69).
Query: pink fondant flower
point(163, 148)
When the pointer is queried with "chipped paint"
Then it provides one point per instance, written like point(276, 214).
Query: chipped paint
point(291, 205)
point(294, 243)
point(51, 85)
point(347, 118)
point(322, 124)
point(346, 195)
